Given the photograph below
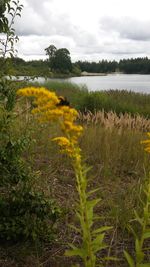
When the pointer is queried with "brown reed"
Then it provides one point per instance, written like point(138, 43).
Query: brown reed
point(111, 119)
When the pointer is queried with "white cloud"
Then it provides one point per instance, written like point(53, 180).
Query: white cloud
point(91, 30)
point(127, 27)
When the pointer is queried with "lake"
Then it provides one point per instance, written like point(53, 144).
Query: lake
point(133, 82)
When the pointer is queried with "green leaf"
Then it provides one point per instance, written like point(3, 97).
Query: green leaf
point(96, 218)
point(97, 243)
point(146, 234)
point(92, 191)
point(130, 229)
point(87, 169)
point(129, 259)
point(102, 229)
point(75, 251)
point(139, 253)
point(78, 230)
point(111, 259)
point(90, 205)
point(138, 218)
point(81, 219)
point(93, 203)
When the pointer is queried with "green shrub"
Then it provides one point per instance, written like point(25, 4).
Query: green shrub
point(25, 214)
point(25, 211)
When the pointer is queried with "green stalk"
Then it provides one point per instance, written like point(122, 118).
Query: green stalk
point(145, 233)
point(87, 239)
point(145, 219)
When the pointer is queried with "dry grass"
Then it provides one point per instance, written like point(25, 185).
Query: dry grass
point(111, 119)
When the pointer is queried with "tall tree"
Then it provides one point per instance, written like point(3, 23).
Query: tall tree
point(51, 52)
point(62, 60)
point(59, 59)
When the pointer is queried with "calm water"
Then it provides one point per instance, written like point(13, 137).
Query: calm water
point(133, 82)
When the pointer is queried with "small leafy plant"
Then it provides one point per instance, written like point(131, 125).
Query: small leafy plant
point(144, 222)
point(9, 38)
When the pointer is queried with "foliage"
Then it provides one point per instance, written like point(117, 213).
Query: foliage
point(45, 67)
point(76, 70)
point(129, 66)
point(9, 39)
point(118, 101)
point(59, 59)
point(103, 66)
point(140, 240)
point(25, 212)
point(92, 240)
point(135, 65)
point(4, 4)
point(51, 52)
point(20, 67)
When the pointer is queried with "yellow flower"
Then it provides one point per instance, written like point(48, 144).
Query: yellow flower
point(66, 145)
point(71, 128)
point(62, 141)
point(48, 110)
point(40, 93)
point(147, 143)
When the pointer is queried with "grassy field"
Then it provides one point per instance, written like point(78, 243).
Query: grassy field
point(119, 101)
point(110, 144)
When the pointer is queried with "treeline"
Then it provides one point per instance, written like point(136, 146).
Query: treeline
point(103, 66)
point(128, 66)
point(18, 66)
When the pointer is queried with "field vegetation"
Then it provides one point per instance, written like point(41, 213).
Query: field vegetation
point(118, 101)
point(74, 188)
point(111, 145)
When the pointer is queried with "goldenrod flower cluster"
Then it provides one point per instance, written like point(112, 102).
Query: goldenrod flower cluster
point(47, 110)
point(147, 143)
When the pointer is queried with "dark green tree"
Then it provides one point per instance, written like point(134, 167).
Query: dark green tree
point(62, 61)
point(51, 52)
point(59, 59)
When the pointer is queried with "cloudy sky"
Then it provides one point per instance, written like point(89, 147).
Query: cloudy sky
point(90, 29)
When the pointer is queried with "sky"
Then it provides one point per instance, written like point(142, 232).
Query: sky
point(91, 30)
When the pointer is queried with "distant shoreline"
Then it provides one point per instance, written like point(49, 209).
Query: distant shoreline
point(85, 73)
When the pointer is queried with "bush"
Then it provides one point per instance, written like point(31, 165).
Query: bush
point(25, 212)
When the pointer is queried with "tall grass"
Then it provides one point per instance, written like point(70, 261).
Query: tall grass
point(111, 144)
point(119, 164)
point(119, 101)
point(110, 120)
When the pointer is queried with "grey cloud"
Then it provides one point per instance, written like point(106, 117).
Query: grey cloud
point(124, 47)
point(59, 30)
point(40, 26)
point(127, 27)
point(38, 18)
point(35, 45)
